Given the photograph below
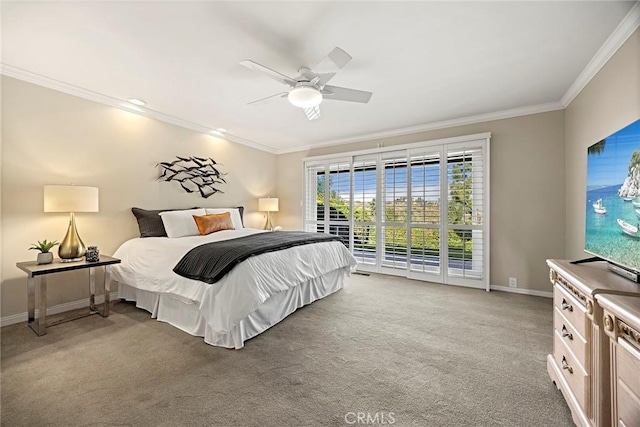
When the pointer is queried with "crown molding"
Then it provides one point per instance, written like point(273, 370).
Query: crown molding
point(469, 120)
point(623, 31)
point(40, 80)
point(629, 24)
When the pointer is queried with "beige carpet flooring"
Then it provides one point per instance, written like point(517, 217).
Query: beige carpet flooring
point(430, 355)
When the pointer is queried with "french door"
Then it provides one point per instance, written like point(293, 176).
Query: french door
point(420, 211)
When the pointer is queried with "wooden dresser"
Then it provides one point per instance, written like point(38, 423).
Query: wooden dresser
point(579, 365)
point(622, 325)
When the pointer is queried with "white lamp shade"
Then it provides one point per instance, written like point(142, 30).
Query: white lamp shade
point(305, 97)
point(268, 204)
point(70, 198)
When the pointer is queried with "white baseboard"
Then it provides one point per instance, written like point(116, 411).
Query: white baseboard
point(532, 292)
point(522, 291)
point(60, 308)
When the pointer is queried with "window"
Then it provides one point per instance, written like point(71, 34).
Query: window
point(419, 210)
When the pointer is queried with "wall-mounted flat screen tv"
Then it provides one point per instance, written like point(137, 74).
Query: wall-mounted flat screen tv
point(613, 198)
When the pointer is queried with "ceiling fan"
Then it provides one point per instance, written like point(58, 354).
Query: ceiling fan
point(310, 87)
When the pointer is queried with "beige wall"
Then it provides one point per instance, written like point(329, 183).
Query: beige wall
point(53, 138)
point(609, 102)
point(527, 192)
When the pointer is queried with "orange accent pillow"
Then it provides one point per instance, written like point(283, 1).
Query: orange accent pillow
point(208, 224)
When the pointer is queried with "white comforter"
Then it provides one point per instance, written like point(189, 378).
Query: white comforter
point(147, 263)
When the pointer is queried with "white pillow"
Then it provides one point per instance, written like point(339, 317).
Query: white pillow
point(181, 223)
point(235, 215)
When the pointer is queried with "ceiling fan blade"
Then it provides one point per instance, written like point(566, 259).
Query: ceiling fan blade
point(334, 61)
point(343, 94)
point(324, 78)
point(269, 72)
point(268, 99)
point(312, 113)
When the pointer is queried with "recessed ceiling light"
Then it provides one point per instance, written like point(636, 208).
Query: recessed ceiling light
point(223, 130)
point(137, 101)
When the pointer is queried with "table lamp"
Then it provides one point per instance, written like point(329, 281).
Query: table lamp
point(71, 198)
point(268, 205)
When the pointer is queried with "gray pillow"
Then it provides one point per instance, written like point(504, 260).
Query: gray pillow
point(241, 210)
point(150, 222)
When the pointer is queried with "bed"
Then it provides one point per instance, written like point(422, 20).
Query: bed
point(256, 294)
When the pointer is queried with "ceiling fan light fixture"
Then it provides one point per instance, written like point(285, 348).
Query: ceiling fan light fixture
point(305, 97)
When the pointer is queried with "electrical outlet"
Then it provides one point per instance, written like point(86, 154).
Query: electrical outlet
point(513, 282)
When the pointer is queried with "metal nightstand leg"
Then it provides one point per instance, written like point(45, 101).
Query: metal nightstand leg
point(107, 290)
point(31, 299)
point(92, 290)
point(104, 311)
point(38, 325)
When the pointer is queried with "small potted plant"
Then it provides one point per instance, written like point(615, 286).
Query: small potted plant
point(44, 257)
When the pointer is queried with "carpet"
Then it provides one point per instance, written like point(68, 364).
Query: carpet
point(382, 351)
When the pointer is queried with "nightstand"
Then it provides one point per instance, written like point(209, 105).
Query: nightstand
point(40, 272)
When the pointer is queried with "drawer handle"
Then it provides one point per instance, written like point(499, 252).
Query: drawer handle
point(566, 305)
point(566, 333)
point(565, 365)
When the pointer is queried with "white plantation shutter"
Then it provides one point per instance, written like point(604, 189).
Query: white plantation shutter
point(339, 200)
point(465, 214)
point(426, 212)
point(314, 191)
point(393, 210)
point(365, 188)
point(327, 196)
point(419, 210)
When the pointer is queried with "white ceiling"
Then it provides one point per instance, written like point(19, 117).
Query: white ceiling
point(425, 62)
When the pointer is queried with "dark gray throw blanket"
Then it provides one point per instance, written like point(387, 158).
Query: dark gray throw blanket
point(211, 261)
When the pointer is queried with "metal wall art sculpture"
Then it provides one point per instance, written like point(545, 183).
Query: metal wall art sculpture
point(194, 173)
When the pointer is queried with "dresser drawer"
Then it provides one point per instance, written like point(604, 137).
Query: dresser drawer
point(573, 340)
point(572, 371)
point(628, 384)
point(572, 309)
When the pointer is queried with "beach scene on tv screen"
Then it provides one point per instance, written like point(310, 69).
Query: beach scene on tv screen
point(613, 197)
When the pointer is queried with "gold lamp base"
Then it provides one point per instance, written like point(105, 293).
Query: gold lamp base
point(268, 225)
point(72, 248)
